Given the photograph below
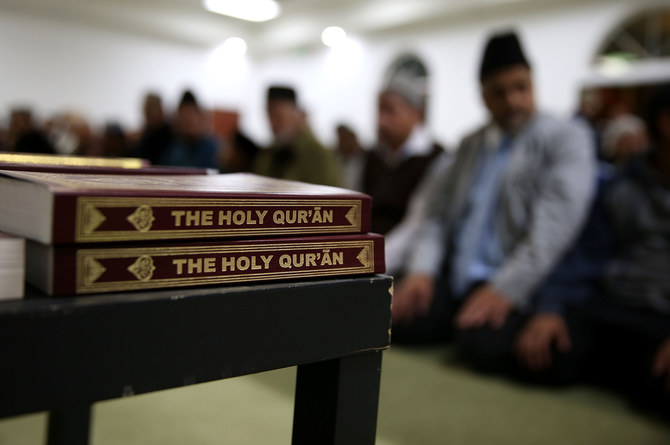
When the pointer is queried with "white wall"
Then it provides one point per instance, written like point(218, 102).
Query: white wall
point(55, 66)
point(560, 44)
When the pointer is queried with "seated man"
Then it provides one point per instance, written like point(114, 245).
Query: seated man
point(632, 319)
point(513, 200)
point(157, 132)
point(295, 153)
point(552, 338)
point(240, 153)
point(192, 145)
point(399, 171)
point(351, 156)
point(23, 134)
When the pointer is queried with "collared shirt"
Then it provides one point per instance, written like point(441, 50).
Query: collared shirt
point(478, 253)
point(419, 143)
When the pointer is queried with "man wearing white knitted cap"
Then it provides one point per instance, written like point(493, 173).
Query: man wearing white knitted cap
point(399, 170)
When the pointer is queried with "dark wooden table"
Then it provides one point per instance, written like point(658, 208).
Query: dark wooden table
point(63, 355)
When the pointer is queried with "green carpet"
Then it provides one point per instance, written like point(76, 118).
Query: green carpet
point(426, 399)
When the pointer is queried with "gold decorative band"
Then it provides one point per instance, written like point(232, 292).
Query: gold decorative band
point(143, 221)
point(89, 268)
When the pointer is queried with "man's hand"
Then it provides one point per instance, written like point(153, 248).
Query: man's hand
point(662, 364)
point(486, 306)
point(534, 343)
point(412, 297)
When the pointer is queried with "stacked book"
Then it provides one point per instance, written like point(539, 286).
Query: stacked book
point(12, 266)
point(12, 248)
point(90, 233)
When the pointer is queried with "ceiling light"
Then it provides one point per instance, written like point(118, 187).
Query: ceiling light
point(333, 36)
point(234, 46)
point(250, 10)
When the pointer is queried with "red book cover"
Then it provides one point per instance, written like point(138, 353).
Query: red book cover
point(61, 208)
point(68, 270)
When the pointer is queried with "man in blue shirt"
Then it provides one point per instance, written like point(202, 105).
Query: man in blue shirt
point(513, 201)
point(191, 146)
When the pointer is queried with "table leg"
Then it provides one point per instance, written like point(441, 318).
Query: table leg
point(70, 426)
point(336, 401)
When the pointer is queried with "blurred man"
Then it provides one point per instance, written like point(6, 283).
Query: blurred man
point(239, 154)
point(351, 156)
point(513, 200)
point(72, 135)
point(23, 135)
point(398, 171)
point(113, 141)
point(632, 320)
point(622, 134)
point(192, 145)
point(295, 153)
point(157, 132)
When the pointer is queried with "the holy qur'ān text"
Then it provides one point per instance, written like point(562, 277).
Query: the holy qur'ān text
point(102, 220)
point(209, 218)
point(125, 267)
point(194, 266)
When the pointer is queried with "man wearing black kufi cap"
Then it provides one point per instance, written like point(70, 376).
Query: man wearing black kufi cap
point(295, 153)
point(192, 145)
point(514, 199)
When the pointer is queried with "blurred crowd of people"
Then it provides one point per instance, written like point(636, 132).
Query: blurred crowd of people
point(183, 138)
point(540, 248)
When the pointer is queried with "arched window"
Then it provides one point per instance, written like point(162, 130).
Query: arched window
point(646, 35)
point(633, 58)
point(637, 51)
